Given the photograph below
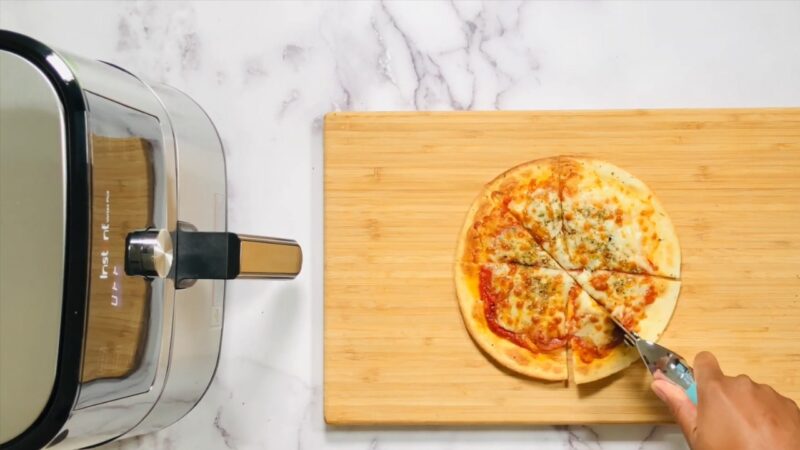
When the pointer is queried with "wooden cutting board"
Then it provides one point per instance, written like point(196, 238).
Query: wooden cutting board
point(397, 187)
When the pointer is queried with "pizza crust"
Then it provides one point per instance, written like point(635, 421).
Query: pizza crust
point(659, 314)
point(469, 220)
point(621, 357)
point(546, 366)
point(536, 168)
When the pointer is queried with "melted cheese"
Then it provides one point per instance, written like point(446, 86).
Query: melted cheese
point(532, 196)
point(609, 220)
point(591, 323)
point(625, 296)
point(540, 210)
point(497, 236)
point(532, 302)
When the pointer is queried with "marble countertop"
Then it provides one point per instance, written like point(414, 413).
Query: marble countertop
point(267, 72)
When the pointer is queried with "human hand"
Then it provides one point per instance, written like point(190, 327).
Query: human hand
point(732, 413)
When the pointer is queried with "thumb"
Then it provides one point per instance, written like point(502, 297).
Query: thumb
point(679, 405)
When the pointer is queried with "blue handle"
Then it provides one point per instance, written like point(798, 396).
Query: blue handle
point(682, 374)
point(691, 391)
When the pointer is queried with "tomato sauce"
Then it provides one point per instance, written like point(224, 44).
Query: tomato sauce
point(537, 343)
point(600, 282)
point(588, 352)
point(650, 296)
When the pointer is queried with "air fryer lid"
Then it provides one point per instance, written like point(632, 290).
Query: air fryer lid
point(32, 233)
point(43, 240)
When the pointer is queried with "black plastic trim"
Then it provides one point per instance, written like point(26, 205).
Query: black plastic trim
point(76, 261)
point(206, 256)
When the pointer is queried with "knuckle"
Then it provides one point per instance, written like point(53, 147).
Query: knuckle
point(702, 357)
point(713, 387)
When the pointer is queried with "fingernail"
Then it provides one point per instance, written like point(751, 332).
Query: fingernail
point(659, 391)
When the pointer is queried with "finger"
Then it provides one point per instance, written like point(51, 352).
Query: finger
point(706, 368)
point(679, 405)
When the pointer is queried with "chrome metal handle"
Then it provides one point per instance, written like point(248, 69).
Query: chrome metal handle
point(148, 253)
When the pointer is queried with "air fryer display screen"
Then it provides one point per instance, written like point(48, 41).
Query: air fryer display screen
point(124, 143)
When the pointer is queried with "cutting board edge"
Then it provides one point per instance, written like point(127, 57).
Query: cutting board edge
point(340, 418)
point(338, 115)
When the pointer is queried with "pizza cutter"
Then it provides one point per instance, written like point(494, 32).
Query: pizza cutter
point(660, 358)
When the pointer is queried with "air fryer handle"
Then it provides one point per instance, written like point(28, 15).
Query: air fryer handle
point(199, 255)
point(223, 256)
point(266, 257)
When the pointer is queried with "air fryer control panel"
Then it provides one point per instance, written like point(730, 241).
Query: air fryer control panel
point(122, 329)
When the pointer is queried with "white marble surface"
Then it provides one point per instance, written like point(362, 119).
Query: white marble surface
point(267, 72)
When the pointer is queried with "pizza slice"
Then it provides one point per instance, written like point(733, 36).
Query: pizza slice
point(492, 234)
point(612, 221)
point(597, 349)
point(517, 314)
point(531, 192)
point(642, 303)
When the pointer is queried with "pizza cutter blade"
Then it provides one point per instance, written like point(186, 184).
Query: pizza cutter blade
point(658, 358)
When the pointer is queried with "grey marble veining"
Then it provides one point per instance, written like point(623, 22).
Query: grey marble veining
point(267, 72)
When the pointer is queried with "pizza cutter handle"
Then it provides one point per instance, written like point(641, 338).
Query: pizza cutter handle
point(673, 367)
point(691, 392)
point(681, 373)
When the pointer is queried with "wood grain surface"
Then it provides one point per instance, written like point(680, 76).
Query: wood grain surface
point(397, 187)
